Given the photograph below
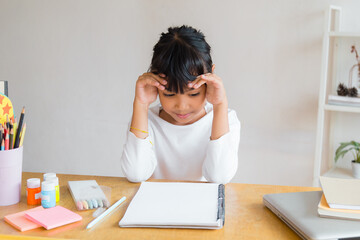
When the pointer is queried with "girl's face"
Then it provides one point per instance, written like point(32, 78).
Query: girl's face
point(183, 109)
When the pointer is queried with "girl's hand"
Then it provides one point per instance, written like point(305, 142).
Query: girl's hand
point(215, 91)
point(147, 86)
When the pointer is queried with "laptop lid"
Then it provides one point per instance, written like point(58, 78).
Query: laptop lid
point(299, 211)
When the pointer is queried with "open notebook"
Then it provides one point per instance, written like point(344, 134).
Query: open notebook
point(176, 205)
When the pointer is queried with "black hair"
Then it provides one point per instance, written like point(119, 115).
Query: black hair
point(181, 54)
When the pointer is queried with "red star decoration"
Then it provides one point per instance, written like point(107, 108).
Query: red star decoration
point(6, 109)
point(1, 99)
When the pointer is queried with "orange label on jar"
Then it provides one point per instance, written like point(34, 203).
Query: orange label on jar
point(33, 196)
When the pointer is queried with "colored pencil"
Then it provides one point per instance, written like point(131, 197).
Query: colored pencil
point(7, 122)
point(15, 129)
point(11, 139)
point(7, 142)
point(22, 135)
point(17, 137)
point(2, 145)
point(5, 131)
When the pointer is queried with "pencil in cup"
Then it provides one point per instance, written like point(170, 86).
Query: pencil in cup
point(17, 137)
point(8, 134)
point(7, 122)
point(11, 139)
point(15, 129)
point(22, 135)
point(7, 141)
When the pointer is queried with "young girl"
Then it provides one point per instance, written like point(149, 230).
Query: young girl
point(191, 135)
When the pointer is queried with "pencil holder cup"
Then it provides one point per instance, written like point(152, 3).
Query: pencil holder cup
point(10, 176)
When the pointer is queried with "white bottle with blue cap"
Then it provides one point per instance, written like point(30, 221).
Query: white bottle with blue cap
point(48, 196)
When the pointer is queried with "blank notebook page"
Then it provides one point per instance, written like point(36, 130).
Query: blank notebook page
point(173, 204)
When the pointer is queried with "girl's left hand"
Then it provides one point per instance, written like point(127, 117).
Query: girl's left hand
point(215, 91)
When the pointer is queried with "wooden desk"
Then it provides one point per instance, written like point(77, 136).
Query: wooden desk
point(245, 217)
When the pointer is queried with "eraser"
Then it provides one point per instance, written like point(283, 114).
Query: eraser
point(106, 203)
point(94, 202)
point(88, 191)
point(90, 204)
point(85, 204)
point(98, 212)
point(79, 205)
point(100, 203)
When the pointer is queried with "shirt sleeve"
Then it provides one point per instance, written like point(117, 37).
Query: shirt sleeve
point(138, 160)
point(221, 161)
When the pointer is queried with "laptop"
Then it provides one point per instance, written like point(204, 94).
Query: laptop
point(299, 211)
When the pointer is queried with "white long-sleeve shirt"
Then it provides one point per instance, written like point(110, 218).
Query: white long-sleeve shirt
point(182, 152)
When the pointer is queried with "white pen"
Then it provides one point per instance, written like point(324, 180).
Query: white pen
point(96, 220)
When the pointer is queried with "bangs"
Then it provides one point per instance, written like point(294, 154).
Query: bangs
point(180, 63)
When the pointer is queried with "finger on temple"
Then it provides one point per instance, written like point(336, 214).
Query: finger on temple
point(161, 79)
point(161, 87)
point(153, 82)
point(209, 77)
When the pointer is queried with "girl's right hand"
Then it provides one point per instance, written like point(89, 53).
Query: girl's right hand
point(147, 86)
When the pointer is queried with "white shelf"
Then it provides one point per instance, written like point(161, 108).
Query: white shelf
point(338, 108)
point(344, 34)
point(338, 172)
point(335, 43)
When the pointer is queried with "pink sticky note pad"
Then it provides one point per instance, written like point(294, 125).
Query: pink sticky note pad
point(53, 217)
point(19, 221)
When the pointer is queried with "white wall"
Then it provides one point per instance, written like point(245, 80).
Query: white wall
point(74, 64)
